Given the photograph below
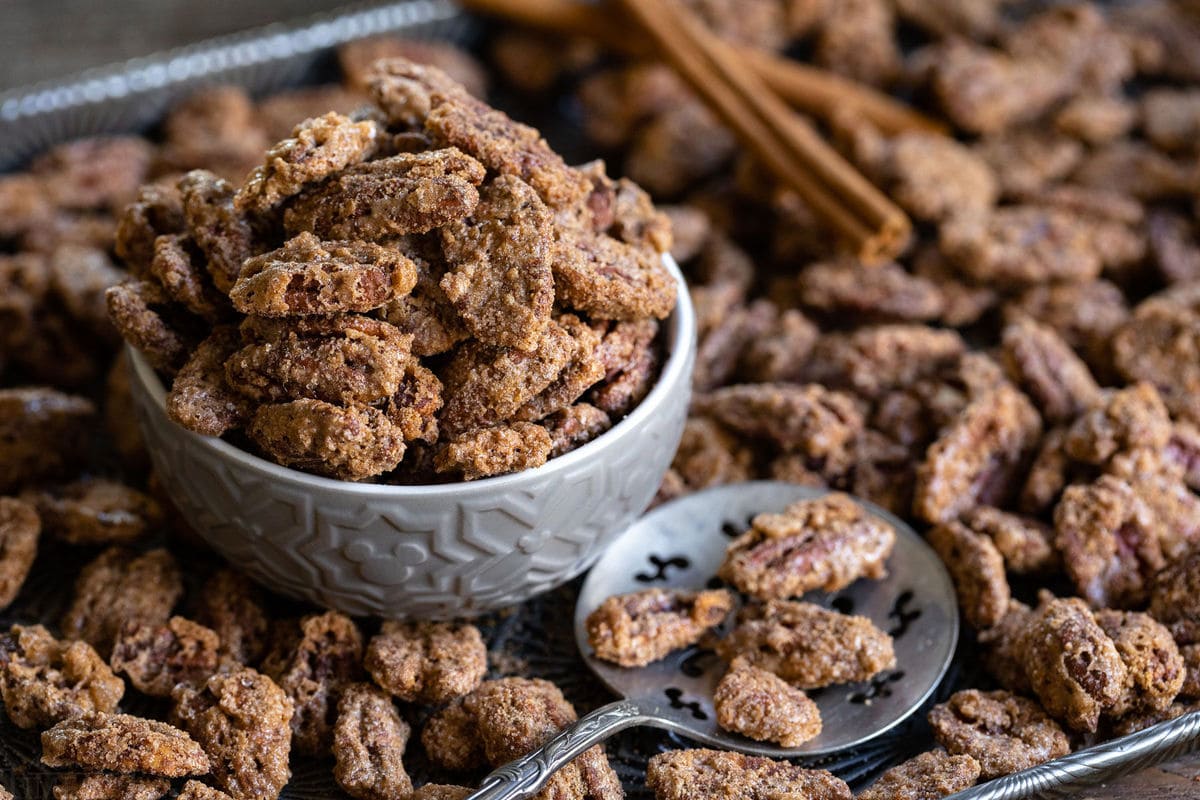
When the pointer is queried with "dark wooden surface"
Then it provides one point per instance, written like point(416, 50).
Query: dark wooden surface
point(42, 39)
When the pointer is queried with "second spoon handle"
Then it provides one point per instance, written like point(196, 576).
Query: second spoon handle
point(529, 773)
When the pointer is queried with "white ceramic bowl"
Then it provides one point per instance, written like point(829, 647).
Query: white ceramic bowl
point(439, 551)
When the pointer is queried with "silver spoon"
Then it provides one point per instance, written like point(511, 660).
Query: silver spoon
point(681, 545)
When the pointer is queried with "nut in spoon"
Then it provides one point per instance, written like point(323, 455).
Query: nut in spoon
point(680, 546)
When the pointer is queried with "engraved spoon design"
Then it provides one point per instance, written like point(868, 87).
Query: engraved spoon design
point(681, 545)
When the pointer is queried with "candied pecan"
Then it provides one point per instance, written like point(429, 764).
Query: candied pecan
point(317, 148)
point(723, 261)
point(484, 385)
point(107, 786)
point(401, 194)
point(1134, 168)
point(1073, 665)
point(878, 293)
point(635, 629)
point(1182, 452)
point(1096, 119)
point(119, 587)
point(983, 90)
point(141, 313)
point(574, 426)
point(695, 774)
point(678, 146)
point(801, 418)
point(779, 353)
point(727, 331)
point(441, 791)
point(1139, 722)
point(708, 455)
point(762, 706)
point(975, 459)
point(631, 360)
point(873, 360)
point(156, 658)
point(122, 743)
point(1025, 543)
point(1022, 244)
point(313, 664)
point(194, 790)
point(20, 528)
point(1127, 419)
point(1110, 540)
point(615, 101)
point(1003, 732)
point(221, 231)
point(368, 744)
point(426, 313)
point(1084, 314)
point(1159, 344)
point(86, 229)
point(499, 278)
point(357, 58)
point(450, 738)
point(215, 128)
point(484, 452)
point(977, 569)
point(414, 405)
point(406, 91)
point(79, 277)
point(427, 662)
point(1171, 118)
point(97, 511)
point(279, 114)
point(859, 42)
point(1175, 598)
point(808, 646)
point(344, 443)
point(174, 264)
point(242, 720)
point(1039, 360)
point(825, 544)
point(506, 147)
point(43, 680)
point(584, 368)
point(933, 177)
point(1028, 160)
point(1173, 246)
point(308, 276)
point(610, 279)
point(88, 173)
point(1154, 667)
point(1191, 664)
point(1007, 659)
point(930, 775)
point(346, 360)
point(24, 204)
point(230, 605)
point(201, 398)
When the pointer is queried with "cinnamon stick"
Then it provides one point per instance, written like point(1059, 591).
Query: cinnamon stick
point(871, 224)
point(815, 92)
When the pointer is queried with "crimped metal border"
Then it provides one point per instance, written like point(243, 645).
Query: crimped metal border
point(135, 94)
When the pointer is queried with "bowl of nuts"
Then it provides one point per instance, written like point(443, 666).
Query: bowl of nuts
point(415, 365)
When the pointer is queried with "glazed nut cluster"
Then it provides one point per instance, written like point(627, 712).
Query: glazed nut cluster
point(423, 289)
point(780, 646)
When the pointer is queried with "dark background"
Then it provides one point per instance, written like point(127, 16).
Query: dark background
point(41, 39)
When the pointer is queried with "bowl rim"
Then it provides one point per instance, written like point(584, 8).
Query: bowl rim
point(671, 376)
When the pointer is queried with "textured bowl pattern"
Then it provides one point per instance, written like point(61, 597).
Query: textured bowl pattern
point(431, 551)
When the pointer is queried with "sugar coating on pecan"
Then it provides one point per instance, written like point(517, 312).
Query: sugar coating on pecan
point(1026, 543)
point(313, 662)
point(485, 452)
point(118, 587)
point(426, 313)
point(761, 705)
point(1154, 668)
point(97, 511)
point(825, 544)
point(636, 629)
point(20, 529)
point(879, 293)
point(1175, 598)
point(107, 785)
point(808, 646)
point(243, 722)
point(1057, 380)
point(178, 266)
point(200, 398)
point(230, 605)
point(42, 432)
point(930, 775)
point(872, 360)
point(393, 196)
point(975, 459)
point(427, 662)
point(122, 743)
point(349, 444)
point(222, 232)
point(1158, 345)
point(583, 370)
point(1122, 420)
point(369, 739)
point(1005, 733)
point(156, 658)
point(44, 680)
point(977, 568)
point(1073, 665)
point(317, 148)
point(574, 426)
point(695, 774)
point(1007, 660)
point(194, 790)
point(1022, 245)
point(141, 312)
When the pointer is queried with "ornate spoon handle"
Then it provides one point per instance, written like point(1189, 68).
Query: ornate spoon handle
point(1064, 776)
point(528, 774)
